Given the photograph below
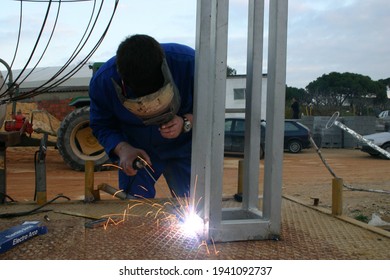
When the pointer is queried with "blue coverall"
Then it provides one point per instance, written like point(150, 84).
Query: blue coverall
point(112, 123)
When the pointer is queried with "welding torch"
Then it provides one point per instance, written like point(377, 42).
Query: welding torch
point(140, 163)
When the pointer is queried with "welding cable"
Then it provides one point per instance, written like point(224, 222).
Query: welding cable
point(35, 45)
point(42, 89)
point(33, 211)
point(7, 196)
point(89, 55)
point(47, 45)
point(335, 176)
point(76, 51)
point(23, 96)
point(51, 35)
point(17, 45)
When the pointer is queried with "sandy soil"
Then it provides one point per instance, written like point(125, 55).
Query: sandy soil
point(305, 177)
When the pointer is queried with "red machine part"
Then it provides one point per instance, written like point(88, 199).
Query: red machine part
point(19, 123)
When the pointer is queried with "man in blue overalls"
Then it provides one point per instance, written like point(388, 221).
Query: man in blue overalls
point(141, 109)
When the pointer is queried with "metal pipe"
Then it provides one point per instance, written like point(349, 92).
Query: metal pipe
point(11, 85)
point(333, 121)
point(10, 77)
point(114, 192)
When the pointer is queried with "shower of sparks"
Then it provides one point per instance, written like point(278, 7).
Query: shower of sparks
point(178, 212)
point(112, 165)
point(119, 191)
point(204, 244)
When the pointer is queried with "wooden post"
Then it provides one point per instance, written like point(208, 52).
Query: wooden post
point(6, 139)
point(337, 196)
point(240, 181)
point(3, 172)
point(240, 176)
point(89, 181)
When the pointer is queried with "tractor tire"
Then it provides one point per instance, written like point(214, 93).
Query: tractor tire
point(76, 143)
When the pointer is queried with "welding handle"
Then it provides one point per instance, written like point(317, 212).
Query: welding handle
point(138, 164)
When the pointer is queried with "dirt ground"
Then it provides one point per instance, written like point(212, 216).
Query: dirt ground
point(305, 177)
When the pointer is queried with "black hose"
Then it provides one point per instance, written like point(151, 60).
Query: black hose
point(33, 211)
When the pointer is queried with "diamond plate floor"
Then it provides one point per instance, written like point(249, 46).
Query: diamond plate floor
point(149, 233)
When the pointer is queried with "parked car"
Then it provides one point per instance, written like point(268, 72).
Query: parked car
point(381, 139)
point(384, 114)
point(296, 136)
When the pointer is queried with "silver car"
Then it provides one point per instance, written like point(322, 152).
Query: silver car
point(381, 139)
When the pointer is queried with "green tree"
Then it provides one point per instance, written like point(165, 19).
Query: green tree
point(301, 96)
point(297, 93)
point(335, 90)
point(231, 71)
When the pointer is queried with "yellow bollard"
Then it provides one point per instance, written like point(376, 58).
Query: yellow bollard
point(240, 176)
point(41, 198)
point(89, 193)
point(238, 195)
point(337, 196)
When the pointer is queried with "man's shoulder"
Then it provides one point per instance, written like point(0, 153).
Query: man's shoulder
point(176, 49)
point(107, 69)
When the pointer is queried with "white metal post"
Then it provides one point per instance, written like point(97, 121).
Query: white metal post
point(253, 104)
point(245, 222)
point(276, 92)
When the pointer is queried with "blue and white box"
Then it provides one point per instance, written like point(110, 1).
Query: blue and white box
point(16, 235)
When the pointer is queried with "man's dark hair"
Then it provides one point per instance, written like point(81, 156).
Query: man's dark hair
point(139, 59)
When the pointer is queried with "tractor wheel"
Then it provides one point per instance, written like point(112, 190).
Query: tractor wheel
point(76, 143)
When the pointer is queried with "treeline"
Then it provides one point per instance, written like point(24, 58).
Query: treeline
point(348, 93)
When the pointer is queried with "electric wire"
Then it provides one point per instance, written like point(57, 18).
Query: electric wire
point(17, 44)
point(33, 50)
point(33, 211)
point(82, 63)
point(71, 58)
point(46, 47)
point(335, 176)
point(77, 68)
point(42, 28)
point(81, 45)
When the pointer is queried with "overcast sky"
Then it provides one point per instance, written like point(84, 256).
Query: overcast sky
point(323, 35)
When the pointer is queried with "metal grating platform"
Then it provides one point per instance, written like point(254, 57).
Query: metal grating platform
point(306, 234)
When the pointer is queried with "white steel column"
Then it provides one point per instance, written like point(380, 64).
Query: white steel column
point(209, 109)
point(253, 101)
point(245, 222)
point(276, 92)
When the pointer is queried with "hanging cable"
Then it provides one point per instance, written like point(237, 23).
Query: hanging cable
point(34, 48)
point(40, 89)
point(17, 45)
point(81, 45)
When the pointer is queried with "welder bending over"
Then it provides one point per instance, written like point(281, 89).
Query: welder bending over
point(141, 107)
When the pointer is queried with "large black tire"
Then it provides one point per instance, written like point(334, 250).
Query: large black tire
point(76, 143)
point(385, 147)
point(294, 146)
